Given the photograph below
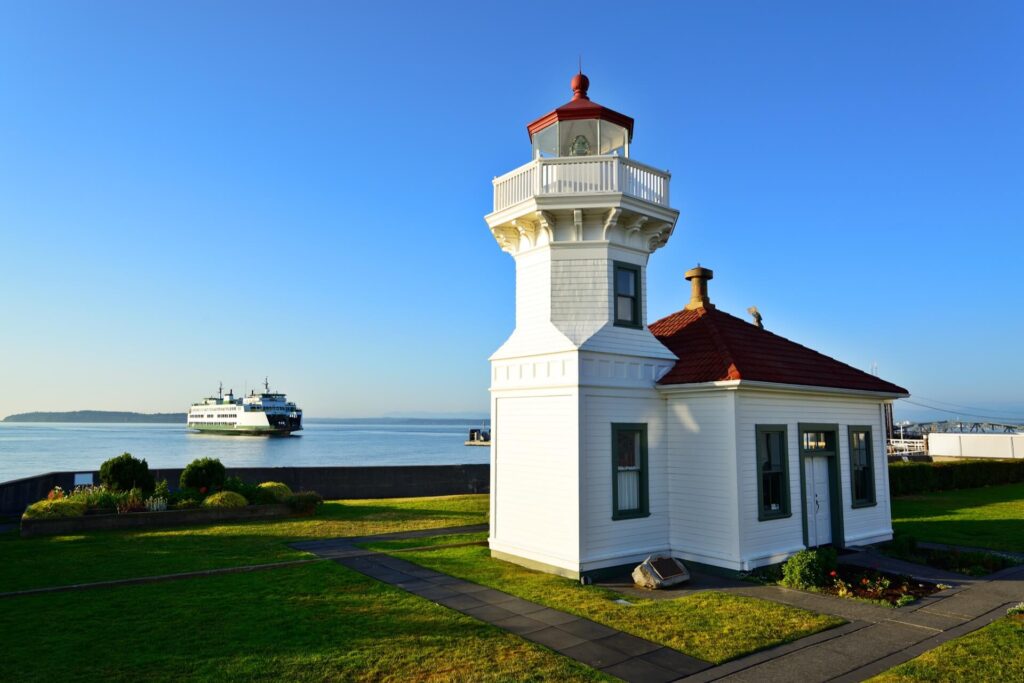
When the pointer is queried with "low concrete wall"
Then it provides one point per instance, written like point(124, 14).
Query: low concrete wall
point(407, 481)
point(140, 520)
point(976, 445)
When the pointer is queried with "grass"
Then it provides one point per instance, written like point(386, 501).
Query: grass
point(994, 653)
point(313, 622)
point(710, 625)
point(63, 560)
point(988, 517)
point(967, 563)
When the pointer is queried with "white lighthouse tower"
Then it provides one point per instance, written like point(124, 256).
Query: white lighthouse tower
point(578, 480)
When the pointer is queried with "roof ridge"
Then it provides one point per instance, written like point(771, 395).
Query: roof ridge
point(732, 371)
point(806, 348)
point(713, 345)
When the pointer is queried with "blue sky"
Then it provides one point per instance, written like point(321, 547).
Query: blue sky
point(202, 191)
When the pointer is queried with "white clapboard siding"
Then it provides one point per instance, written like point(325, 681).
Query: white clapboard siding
point(533, 288)
point(701, 460)
point(763, 542)
point(607, 542)
point(536, 478)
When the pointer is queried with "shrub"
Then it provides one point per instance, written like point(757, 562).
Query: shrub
point(124, 473)
point(54, 509)
point(184, 494)
point(225, 499)
point(918, 477)
point(809, 568)
point(162, 490)
point(204, 474)
point(184, 504)
point(252, 493)
point(95, 497)
point(131, 501)
point(305, 502)
point(279, 491)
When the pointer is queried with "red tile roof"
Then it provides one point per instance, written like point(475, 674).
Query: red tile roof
point(715, 346)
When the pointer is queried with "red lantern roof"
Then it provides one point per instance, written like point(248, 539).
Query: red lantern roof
point(580, 107)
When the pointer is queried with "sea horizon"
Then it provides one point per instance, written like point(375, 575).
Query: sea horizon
point(31, 448)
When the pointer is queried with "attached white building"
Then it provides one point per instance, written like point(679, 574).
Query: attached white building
point(701, 435)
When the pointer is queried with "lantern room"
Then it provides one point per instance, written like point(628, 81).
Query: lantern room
point(581, 127)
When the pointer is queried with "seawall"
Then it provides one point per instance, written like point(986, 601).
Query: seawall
point(406, 481)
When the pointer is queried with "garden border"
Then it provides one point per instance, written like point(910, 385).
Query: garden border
point(145, 520)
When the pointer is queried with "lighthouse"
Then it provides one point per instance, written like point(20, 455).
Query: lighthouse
point(577, 422)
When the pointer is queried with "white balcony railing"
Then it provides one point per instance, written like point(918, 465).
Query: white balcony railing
point(580, 175)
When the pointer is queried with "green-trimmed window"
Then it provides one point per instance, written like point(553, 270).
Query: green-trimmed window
point(629, 471)
point(772, 472)
point(627, 295)
point(862, 471)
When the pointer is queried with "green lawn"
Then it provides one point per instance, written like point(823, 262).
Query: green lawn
point(989, 517)
point(63, 560)
point(712, 626)
point(316, 622)
point(994, 653)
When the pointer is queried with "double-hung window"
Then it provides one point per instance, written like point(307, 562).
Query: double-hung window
point(772, 472)
point(629, 471)
point(862, 471)
point(627, 295)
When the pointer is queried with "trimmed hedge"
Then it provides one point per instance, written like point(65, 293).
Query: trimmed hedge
point(280, 491)
point(809, 568)
point(203, 474)
point(54, 509)
point(225, 499)
point(917, 477)
point(124, 473)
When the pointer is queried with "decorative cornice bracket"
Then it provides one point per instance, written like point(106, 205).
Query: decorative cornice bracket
point(610, 221)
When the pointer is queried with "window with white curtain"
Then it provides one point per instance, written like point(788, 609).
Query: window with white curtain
point(629, 470)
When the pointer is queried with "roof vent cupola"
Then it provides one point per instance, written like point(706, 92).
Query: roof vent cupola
point(698, 278)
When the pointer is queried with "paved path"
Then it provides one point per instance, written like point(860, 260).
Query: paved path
point(875, 639)
point(619, 654)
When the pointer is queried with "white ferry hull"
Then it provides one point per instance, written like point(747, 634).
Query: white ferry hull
point(266, 414)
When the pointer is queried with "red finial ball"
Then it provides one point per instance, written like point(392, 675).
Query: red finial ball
point(580, 84)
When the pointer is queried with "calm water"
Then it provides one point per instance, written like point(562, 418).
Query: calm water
point(27, 449)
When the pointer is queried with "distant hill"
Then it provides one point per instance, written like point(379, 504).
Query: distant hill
point(98, 416)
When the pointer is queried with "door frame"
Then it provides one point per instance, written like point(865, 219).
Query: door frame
point(835, 490)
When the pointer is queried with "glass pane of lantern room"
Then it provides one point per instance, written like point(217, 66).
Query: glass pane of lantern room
point(577, 138)
point(613, 139)
point(545, 142)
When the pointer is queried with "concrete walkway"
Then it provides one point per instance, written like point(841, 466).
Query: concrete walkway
point(875, 639)
point(619, 654)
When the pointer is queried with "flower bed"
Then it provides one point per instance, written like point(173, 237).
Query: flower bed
point(138, 520)
point(205, 496)
point(870, 584)
point(817, 571)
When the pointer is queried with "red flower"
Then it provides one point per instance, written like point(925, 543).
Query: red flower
point(864, 580)
point(832, 573)
point(202, 489)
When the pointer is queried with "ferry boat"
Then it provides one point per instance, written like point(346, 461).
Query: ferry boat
point(267, 413)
